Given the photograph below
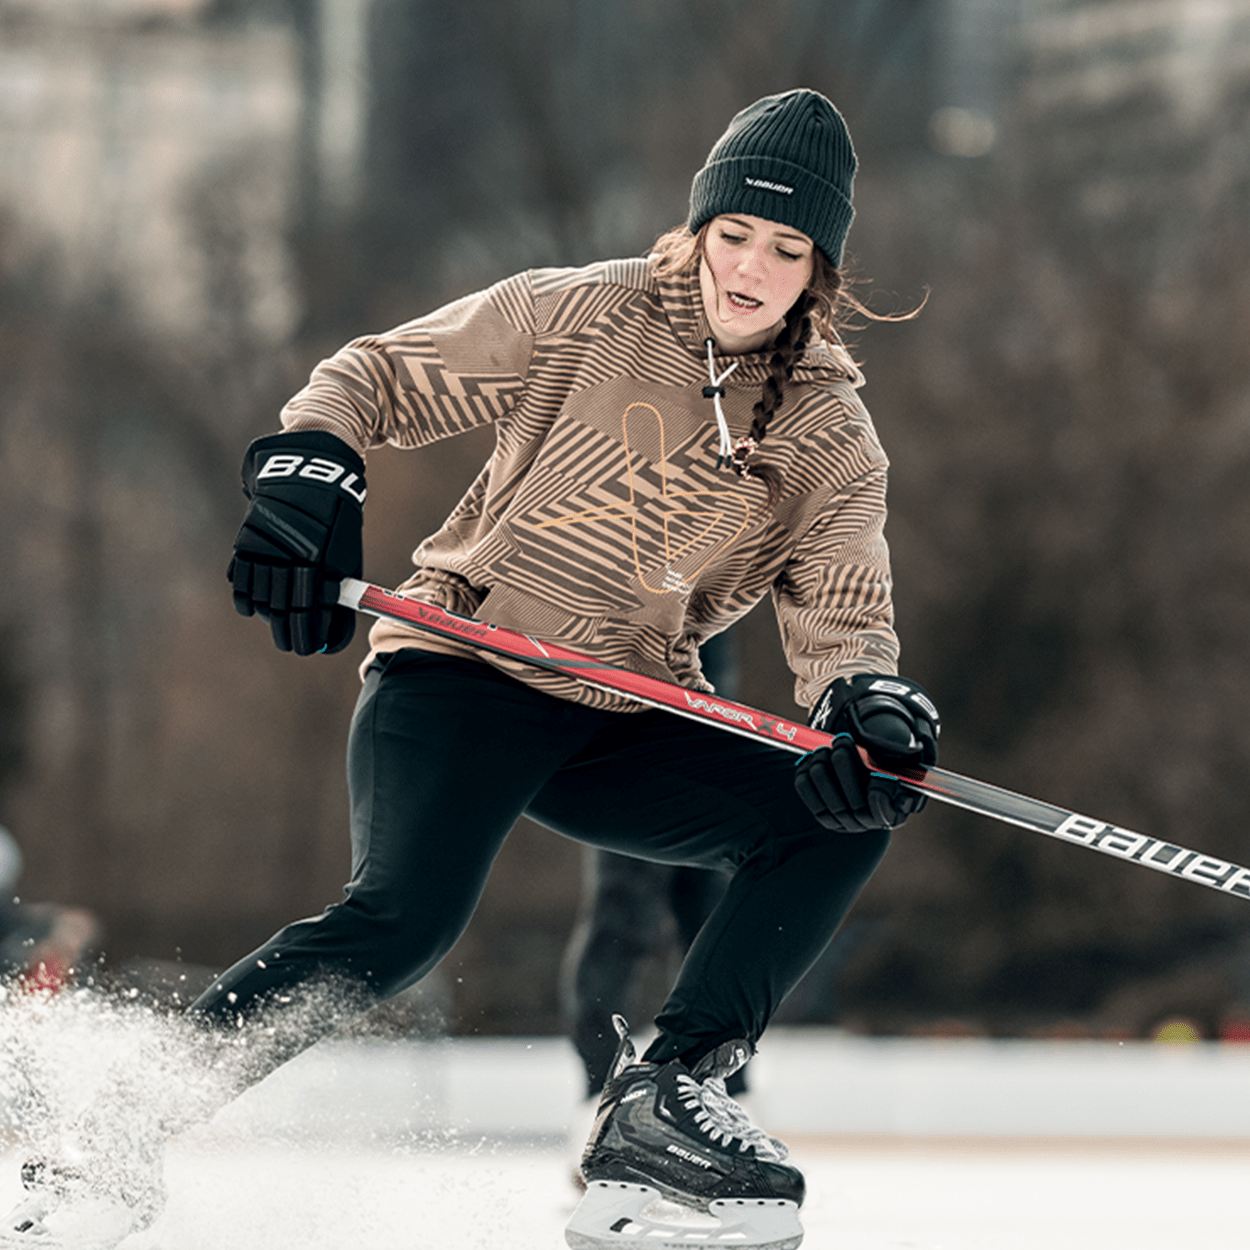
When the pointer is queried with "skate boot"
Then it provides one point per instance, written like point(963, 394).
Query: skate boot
point(674, 1162)
point(69, 1209)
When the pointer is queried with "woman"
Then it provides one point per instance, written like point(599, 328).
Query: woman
point(677, 436)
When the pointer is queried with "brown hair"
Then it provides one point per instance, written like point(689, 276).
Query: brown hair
point(826, 304)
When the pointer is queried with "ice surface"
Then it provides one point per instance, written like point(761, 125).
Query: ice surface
point(232, 1194)
point(379, 1145)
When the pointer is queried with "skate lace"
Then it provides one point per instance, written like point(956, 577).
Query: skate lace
point(724, 1120)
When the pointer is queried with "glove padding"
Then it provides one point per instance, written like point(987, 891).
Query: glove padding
point(300, 537)
point(896, 722)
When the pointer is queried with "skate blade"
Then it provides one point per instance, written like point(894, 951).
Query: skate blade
point(617, 1214)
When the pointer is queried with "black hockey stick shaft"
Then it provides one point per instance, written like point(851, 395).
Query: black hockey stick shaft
point(938, 783)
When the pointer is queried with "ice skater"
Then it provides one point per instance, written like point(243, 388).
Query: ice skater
point(677, 436)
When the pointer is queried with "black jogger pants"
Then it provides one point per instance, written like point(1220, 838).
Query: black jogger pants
point(446, 753)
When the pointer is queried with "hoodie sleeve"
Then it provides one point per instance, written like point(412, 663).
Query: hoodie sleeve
point(458, 368)
point(833, 599)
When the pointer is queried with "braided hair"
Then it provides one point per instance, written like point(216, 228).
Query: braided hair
point(824, 304)
point(788, 348)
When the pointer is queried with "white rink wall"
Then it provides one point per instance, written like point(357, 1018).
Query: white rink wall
point(823, 1083)
point(803, 1081)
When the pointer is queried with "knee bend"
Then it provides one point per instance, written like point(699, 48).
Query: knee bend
point(828, 854)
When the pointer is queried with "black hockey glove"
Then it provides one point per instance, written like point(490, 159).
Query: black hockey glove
point(896, 722)
point(301, 535)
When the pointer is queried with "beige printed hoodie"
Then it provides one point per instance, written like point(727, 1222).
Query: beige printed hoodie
point(601, 520)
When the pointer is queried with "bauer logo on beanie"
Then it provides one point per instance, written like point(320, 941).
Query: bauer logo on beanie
point(787, 158)
point(779, 187)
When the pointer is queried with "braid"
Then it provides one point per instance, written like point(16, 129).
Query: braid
point(827, 307)
point(789, 346)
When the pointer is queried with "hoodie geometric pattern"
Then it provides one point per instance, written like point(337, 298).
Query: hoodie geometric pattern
point(601, 519)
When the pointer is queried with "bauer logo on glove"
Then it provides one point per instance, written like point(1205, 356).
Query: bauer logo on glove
point(302, 535)
point(316, 469)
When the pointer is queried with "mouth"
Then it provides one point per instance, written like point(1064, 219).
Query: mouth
point(743, 303)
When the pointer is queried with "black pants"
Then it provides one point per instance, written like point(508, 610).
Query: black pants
point(445, 754)
point(626, 904)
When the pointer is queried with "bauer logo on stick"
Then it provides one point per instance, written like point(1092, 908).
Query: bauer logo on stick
point(1155, 853)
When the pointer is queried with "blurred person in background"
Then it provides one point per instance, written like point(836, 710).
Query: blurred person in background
point(678, 435)
point(41, 944)
point(626, 904)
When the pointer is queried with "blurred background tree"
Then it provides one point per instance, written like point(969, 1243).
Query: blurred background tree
point(201, 198)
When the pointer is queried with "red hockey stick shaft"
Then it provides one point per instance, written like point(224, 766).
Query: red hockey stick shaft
point(938, 783)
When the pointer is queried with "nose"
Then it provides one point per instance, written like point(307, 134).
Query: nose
point(751, 262)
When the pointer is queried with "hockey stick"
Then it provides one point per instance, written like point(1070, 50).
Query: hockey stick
point(938, 783)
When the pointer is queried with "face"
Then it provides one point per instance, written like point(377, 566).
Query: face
point(751, 272)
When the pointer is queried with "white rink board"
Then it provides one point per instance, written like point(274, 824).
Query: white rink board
point(802, 1081)
point(825, 1082)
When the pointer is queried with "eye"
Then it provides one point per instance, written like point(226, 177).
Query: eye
point(785, 255)
point(732, 238)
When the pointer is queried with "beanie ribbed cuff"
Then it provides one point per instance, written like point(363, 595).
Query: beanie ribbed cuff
point(777, 191)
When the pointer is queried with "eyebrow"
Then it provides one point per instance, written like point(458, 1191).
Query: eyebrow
point(783, 234)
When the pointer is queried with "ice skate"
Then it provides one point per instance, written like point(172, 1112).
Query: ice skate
point(48, 1222)
point(69, 1209)
point(674, 1162)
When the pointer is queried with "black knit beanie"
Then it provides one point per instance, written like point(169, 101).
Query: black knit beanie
point(787, 158)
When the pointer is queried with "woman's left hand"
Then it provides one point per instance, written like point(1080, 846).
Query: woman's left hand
point(896, 722)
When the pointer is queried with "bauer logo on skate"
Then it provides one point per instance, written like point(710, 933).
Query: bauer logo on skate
point(689, 1156)
point(1154, 853)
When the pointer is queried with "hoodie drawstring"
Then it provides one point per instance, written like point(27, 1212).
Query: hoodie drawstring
point(714, 393)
